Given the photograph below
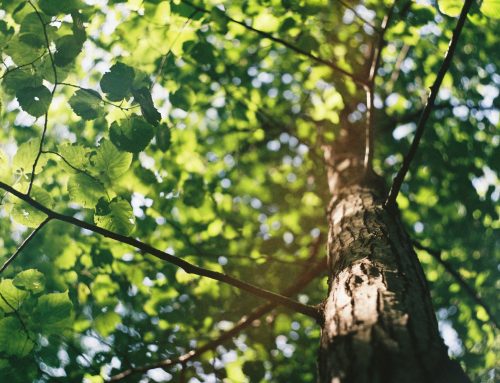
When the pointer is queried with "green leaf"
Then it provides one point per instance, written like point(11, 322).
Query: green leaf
point(53, 309)
point(25, 77)
point(27, 215)
point(117, 82)
point(31, 31)
point(6, 33)
point(85, 190)
point(491, 8)
point(106, 323)
point(22, 53)
point(148, 110)
point(86, 103)
point(14, 340)
point(182, 98)
point(11, 297)
point(110, 162)
point(131, 135)
point(163, 137)
point(30, 279)
point(67, 49)
point(254, 370)
point(76, 155)
point(194, 191)
point(116, 216)
point(35, 100)
point(25, 158)
point(450, 7)
point(55, 7)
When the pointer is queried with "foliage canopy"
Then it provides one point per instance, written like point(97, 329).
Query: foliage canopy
point(197, 128)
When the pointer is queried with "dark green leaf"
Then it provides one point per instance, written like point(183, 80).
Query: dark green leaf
point(67, 48)
point(117, 82)
point(35, 100)
point(116, 216)
point(86, 103)
point(149, 112)
point(131, 135)
point(163, 137)
point(53, 308)
point(14, 340)
point(55, 7)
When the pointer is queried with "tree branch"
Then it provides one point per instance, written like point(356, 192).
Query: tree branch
point(370, 87)
point(436, 254)
point(246, 321)
point(398, 180)
point(46, 118)
point(86, 90)
point(23, 245)
point(189, 268)
point(270, 36)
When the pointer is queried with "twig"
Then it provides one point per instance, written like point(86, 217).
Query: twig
point(46, 118)
point(98, 96)
point(370, 88)
point(244, 322)
point(19, 318)
point(436, 254)
point(356, 13)
point(23, 245)
point(169, 51)
point(311, 311)
point(270, 36)
point(398, 180)
point(10, 70)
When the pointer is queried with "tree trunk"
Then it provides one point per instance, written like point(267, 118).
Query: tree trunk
point(379, 323)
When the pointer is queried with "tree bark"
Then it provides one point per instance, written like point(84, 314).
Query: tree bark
point(379, 323)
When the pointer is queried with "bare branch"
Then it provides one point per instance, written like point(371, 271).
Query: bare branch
point(436, 254)
point(356, 13)
point(358, 80)
point(25, 243)
point(398, 180)
point(243, 323)
point(46, 118)
point(189, 268)
point(370, 87)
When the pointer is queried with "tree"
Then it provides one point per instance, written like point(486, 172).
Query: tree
point(172, 171)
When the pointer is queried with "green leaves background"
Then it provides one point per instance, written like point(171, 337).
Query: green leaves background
point(194, 134)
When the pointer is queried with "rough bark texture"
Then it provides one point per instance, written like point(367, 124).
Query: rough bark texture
point(379, 323)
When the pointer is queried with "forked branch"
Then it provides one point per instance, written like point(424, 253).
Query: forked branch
point(357, 79)
point(398, 180)
point(189, 268)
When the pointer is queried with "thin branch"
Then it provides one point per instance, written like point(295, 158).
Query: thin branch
point(189, 268)
point(398, 180)
point(46, 118)
point(270, 36)
point(10, 70)
point(19, 318)
point(437, 255)
point(246, 321)
point(356, 13)
point(370, 87)
point(169, 51)
point(97, 96)
point(23, 245)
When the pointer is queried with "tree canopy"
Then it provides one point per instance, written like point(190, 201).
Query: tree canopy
point(164, 188)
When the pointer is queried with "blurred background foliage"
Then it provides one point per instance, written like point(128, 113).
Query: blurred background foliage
point(233, 179)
